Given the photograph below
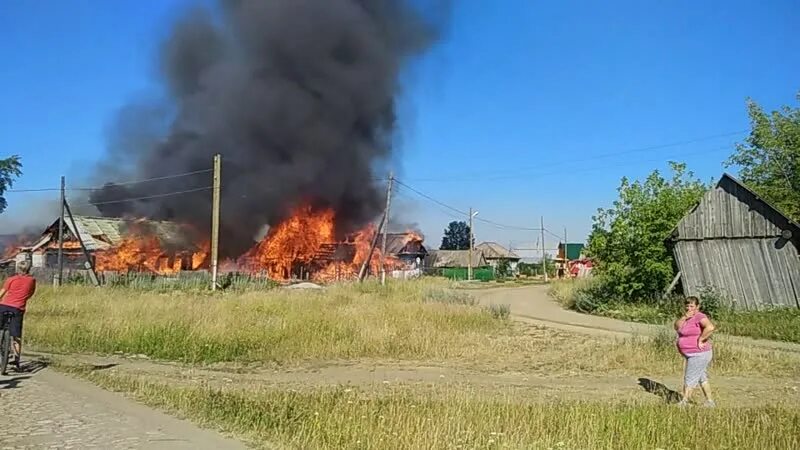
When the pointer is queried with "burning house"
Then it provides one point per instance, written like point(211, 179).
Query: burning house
point(117, 245)
point(303, 122)
point(304, 246)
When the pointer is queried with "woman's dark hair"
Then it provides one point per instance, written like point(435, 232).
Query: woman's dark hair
point(692, 300)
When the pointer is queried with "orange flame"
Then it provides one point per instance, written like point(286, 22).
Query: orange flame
point(144, 253)
point(304, 246)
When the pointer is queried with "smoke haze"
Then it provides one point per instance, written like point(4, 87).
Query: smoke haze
point(299, 97)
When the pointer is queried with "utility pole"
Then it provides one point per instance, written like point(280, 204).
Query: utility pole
point(544, 255)
point(362, 273)
point(386, 227)
point(89, 262)
point(57, 278)
point(215, 220)
point(469, 263)
point(566, 260)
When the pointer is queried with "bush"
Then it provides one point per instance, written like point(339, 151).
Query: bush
point(501, 312)
point(711, 300)
point(628, 239)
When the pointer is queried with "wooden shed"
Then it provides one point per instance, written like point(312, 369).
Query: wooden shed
point(737, 243)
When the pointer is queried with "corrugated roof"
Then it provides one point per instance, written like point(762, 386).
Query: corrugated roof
point(454, 258)
point(100, 233)
point(493, 250)
point(397, 243)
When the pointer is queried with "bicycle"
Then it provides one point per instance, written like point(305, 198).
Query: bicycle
point(6, 342)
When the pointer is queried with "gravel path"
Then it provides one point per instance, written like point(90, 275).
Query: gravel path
point(45, 410)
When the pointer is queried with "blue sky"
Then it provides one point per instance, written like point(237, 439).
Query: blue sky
point(524, 109)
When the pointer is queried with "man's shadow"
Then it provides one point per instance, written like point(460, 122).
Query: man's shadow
point(656, 388)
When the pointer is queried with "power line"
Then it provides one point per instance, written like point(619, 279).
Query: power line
point(462, 213)
point(606, 155)
point(421, 194)
point(121, 183)
point(167, 194)
point(165, 177)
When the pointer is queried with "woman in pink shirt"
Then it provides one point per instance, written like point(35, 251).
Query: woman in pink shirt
point(694, 329)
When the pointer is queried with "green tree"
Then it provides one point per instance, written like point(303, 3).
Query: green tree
point(769, 159)
point(503, 268)
point(456, 236)
point(628, 239)
point(10, 169)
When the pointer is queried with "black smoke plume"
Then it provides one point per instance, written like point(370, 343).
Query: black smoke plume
point(299, 98)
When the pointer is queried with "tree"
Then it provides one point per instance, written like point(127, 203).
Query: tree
point(503, 268)
point(456, 236)
point(10, 169)
point(628, 239)
point(769, 159)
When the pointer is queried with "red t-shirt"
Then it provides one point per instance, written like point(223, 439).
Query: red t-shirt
point(19, 289)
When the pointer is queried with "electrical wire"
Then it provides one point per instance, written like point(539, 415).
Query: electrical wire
point(463, 176)
point(121, 183)
point(166, 194)
point(499, 225)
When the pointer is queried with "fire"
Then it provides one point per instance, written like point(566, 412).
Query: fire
point(294, 242)
point(145, 253)
point(305, 246)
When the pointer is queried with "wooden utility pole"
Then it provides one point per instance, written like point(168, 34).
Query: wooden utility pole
point(362, 273)
point(386, 227)
point(60, 263)
point(89, 262)
point(215, 220)
point(566, 259)
point(469, 263)
point(544, 255)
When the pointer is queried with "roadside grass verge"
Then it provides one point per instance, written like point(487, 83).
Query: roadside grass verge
point(398, 417)
point(781, 324)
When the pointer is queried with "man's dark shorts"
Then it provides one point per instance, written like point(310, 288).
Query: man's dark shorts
point(15, 327)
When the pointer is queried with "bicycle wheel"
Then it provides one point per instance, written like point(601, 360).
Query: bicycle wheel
point(5, 350)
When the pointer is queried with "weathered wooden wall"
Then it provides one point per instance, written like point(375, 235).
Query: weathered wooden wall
point(753, 273)
point(732, 242)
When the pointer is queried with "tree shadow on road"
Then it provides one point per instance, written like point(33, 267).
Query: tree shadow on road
point(661, 390)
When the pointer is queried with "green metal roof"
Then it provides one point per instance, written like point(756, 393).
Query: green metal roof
point(574, 250)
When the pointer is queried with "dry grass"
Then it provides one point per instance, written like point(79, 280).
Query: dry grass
point(399, 417)
point(414, 321)
point(402, 320)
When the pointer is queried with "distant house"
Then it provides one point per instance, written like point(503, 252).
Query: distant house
point(496, 253)
point(454, 264)
point(406, 247)
point(574, 251)
point(737, 243)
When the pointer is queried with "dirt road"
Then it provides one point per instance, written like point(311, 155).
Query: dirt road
point(44, 409)
point(532, 304)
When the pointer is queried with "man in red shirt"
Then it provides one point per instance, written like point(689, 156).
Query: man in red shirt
point(14, 296)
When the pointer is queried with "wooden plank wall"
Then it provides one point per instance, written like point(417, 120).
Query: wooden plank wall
point(731, 241)
point(730, 211)
point(753, 273)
